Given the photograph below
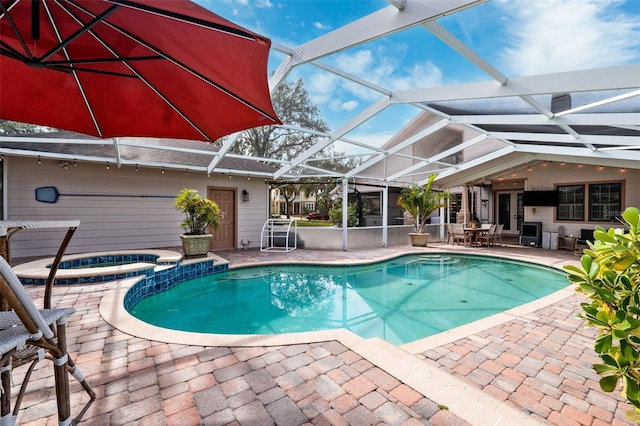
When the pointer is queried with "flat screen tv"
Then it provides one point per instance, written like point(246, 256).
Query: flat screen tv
point(540, 198)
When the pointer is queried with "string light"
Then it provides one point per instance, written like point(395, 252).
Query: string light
point(162, 171)
point(75, 163)
point(186, 172)
point(39, 160)
point(248, 177)
point(136, 167)
point(108, 167)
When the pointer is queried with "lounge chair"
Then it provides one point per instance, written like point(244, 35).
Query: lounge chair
point(26, 326)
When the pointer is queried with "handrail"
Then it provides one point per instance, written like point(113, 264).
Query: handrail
point(271, 239)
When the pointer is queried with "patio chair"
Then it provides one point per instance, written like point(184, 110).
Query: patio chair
point(487, 237)
point(23, 327)
point(497, 235)
point(460, 235)
point(450, 233)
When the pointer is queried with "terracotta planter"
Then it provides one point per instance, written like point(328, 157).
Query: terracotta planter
point(419, 240)
point(196, 245)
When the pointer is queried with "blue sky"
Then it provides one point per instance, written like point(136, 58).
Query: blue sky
point(518, 37)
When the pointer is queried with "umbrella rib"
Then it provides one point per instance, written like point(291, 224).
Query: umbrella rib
point(9, 51)
point(102, 60)
point(5, 12)
point(180, 17)
point(170, 59)
point(125, 63)
point(74, 69)
point(84, 28)
point(75, 75)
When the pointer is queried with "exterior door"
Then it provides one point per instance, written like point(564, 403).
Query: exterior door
point(224, 238)
point(510, 211)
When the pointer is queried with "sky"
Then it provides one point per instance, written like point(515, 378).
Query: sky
point(518, 37)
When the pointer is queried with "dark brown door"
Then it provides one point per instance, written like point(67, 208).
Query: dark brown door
point(224, 238)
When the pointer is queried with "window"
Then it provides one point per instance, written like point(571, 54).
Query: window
point(605, 201)
point(571, 204)
point(309, 206)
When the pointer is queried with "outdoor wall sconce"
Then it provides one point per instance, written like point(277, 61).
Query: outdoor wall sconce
point(485, 203)
point(245, 195)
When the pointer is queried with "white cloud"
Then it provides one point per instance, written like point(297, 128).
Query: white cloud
point(424, 74)
point(321, 26)
point(263, 4)
point(561, 35)
point(349, 105)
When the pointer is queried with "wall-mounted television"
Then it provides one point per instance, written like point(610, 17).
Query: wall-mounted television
point(540, 198)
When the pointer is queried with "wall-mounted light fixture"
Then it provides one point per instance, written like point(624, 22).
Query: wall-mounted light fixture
point(485, 203)
point(245, 195)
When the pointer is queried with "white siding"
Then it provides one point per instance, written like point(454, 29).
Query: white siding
point(110, 222)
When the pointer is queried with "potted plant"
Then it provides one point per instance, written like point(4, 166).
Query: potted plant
point(201, 214)
point(420, 202)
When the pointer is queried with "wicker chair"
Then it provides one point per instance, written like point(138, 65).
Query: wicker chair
point(26, 326)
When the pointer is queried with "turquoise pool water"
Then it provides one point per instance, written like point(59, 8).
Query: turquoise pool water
point(400, 300)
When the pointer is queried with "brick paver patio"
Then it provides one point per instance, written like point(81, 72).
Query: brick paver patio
point(540, 364)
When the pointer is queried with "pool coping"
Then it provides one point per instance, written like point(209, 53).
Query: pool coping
point(463, 400)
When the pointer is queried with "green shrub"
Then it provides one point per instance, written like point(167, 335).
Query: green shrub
point(335, 215)
point(609, 278)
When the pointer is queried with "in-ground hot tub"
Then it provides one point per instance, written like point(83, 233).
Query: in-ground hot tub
point(98, 267)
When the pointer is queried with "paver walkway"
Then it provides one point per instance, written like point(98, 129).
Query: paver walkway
point(540, 364)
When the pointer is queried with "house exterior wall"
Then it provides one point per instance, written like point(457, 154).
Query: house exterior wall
point(110, 222)
point(554, 173)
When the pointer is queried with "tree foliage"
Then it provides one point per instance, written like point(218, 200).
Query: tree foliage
point(294, 107)
point(14, 128)
point(610, 279)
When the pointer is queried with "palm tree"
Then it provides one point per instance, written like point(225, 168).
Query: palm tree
point(421, 201)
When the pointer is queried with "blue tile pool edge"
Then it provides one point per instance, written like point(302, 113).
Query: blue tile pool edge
point(163, 279)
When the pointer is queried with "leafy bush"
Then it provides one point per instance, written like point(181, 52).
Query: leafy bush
point(335, 215)
point(610, 279)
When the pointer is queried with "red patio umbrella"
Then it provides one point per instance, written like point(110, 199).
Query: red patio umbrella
point(131, 68)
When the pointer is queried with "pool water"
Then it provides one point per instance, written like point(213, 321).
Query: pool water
point(400, 300)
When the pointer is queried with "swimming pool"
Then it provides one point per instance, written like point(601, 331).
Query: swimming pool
point(400, 300)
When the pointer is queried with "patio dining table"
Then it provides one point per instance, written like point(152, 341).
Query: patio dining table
point(473, 234)
point(8, 228)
